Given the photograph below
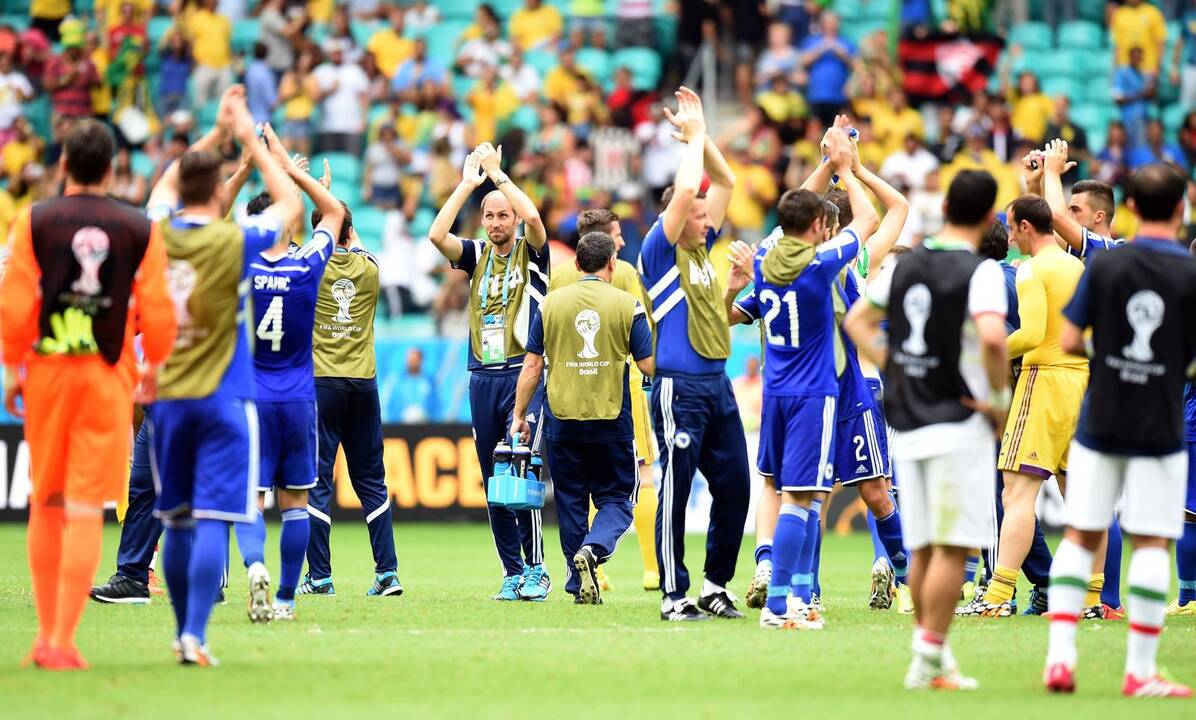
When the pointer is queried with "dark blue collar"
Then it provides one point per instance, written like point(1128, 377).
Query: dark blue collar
point(1159, 244)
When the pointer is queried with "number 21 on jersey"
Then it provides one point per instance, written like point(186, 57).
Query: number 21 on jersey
point(780, 330)
point(270, 328)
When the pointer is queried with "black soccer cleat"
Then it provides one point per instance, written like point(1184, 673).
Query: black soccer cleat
point(122, 590)
point(719, 604)
point(586, 565)
point(683, 610)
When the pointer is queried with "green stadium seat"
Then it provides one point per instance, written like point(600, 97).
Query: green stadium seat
point(369, 220)
point(1064, 63)
point(462, 85)
point(1091, 10)
point(541, 60)
point(206, 119)
point(849, 10)
point(597, 62)
point(142, 164)
point(421, 223)
point(644, 64)
point(526, 118)
point(1080, 35)
point(1034, 35)
point(1100, 92)
point(363, 31)
point(1032, 60)
point(857, 31)
point(457, 9)
point(17, 22)
point(157, 28)
point(442, 39)
point(1173, 119)
point(245, 34)
point(1072, 88)
point(504, 8)
point(345, 167)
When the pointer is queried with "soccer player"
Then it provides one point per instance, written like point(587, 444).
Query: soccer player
point(204, 428)
point(284, 288)
point(508, 278)
point(86, 273)
point(797, 277)
point(1140, 302)
point(584, 333)
point(349, 414)
point(1185, 548)
point(625, 278)
point(946, 393)
point(693, 406)
point(1047, 394)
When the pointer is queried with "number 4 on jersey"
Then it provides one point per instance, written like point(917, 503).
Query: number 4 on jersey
point(270, 328)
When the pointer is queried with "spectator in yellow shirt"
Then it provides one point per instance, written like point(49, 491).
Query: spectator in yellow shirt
point(388, 46)
point(894, 121)
point(535, 25)
point(977, 155)
point(109, 12)
point(47, 15)
point(22, 149)
point(211, 37)
point(1031, 108)
point(492, 101)
point(1138, 24)
point(565, 80)
point(754, 193)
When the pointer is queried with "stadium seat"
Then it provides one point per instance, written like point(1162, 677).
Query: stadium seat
point(157, 29)
point(206, 119)
point(369, 220)
point(541, 60)
point(421, 223)
point(849, 10)
point(141, 164)
point(1032, 60)
point(363, 31)
point(644, 64)
point(526, 118)
point(17, 22)
point(245, 34)
point(1080, 35)
point(442, 39)
point(504, 8)
point(1091, 10)
point(1065, 63)
point(1072, 88)
point(1099, 92)
point(345, 167)
point(1173, 119)
point(857, 31)
point(1034, 35)
point(597, 62)
point(457, 9)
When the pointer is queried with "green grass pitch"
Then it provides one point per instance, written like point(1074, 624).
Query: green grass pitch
point(444, 649)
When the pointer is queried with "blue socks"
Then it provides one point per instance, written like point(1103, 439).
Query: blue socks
point(1110, 594)
point(803, 575)
point(889, 530)
point(251, 539)
point(816, 528)
point(1185, 562)
point(878, 548)
point(764, 550)
point(204, 573)
point(787, 545)
point(176, 561)
point(970, 564)
point(292, 545)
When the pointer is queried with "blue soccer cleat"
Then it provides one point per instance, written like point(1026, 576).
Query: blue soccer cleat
point(535, 584)
point(510, 588)
point(385, 584)
point(1037, 604)
point(323, 586)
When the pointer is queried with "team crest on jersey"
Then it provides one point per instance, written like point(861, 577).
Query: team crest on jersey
point(90, 246)
point(587, 322)
point(343, 292)
point(681, 439)
point(1145, 311)
point(701, 274)
point(181, 279)
point(917, 310)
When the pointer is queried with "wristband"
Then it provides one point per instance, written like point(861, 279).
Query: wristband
point(1002, 398)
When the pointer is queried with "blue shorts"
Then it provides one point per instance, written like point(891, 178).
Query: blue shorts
point(796, 439)
point(861, 448)
point(1190, 502)
point(204, 456)
point(289, 445)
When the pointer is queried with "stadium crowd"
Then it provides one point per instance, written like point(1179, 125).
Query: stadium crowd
point(395, 94)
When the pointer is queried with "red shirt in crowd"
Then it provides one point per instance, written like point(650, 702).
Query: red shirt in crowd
point(74, 98)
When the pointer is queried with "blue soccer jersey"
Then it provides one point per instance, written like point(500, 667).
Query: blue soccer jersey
point(855, 397)
point(1190, 412)
point(1093, 243)
point(284, 307)
point(799, 322)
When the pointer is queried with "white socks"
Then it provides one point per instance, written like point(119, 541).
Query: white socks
point(1070, 573)
point(1149, 580)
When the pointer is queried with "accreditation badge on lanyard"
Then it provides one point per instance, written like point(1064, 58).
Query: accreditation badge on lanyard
point(494, 327)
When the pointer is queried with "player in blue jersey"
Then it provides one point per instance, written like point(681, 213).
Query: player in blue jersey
point(1185, 547)
point(793, 283)
point(284, 286)
point(204, 430)
point(1085, 221)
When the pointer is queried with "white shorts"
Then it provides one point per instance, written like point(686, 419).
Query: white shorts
point(948, 499)
point(1147, 492)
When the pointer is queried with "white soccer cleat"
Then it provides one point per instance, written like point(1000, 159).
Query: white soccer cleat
point(192, 652)
point(883, 584)
point(757, 592)
point(283, 611)
point(923, 675)
point(771, 621)
point(809, 616)
point(258, 608)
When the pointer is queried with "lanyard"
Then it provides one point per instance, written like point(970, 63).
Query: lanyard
point(484, 291)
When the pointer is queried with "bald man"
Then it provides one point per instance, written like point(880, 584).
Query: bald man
point(508, 278)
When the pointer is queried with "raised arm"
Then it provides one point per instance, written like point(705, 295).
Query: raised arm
point(896, 213)
point(691, 130)
point(1032, 172)
point(331, 210)
point(236, 181)
point(1054, 165)
point(864, 218)
point(286, 205)
point(739, 278)
point(166, 190)
point(722, 179)
point(491, 161)
point(447, 243)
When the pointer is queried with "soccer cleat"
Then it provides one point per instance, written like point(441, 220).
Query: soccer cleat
point(1188, 608)
point(283, 610)
point(882, 585)
point(155, 585)
point(967, 590)
point(385, 585)
point(1103, 612)
point(258, 607)
point(720, 604)
point(604, 581)
point(757, 592)
point(809, 615)
point(586, 565)
point(816, 602)
point(578, 601)
point(510, 588)
point(905, 600)
point(651, 580)
point(220, 599)
point(122, 590)
point(1157, 686)
point(771, 621)
point(923, 675)
point(1037, 604)
point(683, 610)
point(980, 608)
point(1059, 678)
point(535, 584)
point(192, 652)
point(323, 586)
point(52, 658)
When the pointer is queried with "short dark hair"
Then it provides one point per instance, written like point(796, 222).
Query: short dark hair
point(838, 196)
point(260, 51)
point(199, 175)
point(830, 214)
point(88, 148)
point(595, 220)
point(666, 197)
point(970, 198)
point(797, 211)
point(1034, 210)
point(995, 243)
point(1101, 195)
point(346, 226)
point(258, 204)
point(594, 251)
point(1157, 190)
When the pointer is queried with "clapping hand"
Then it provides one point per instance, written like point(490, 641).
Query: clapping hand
point(472, 175)
point(689, 119)
point(1055, 158)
